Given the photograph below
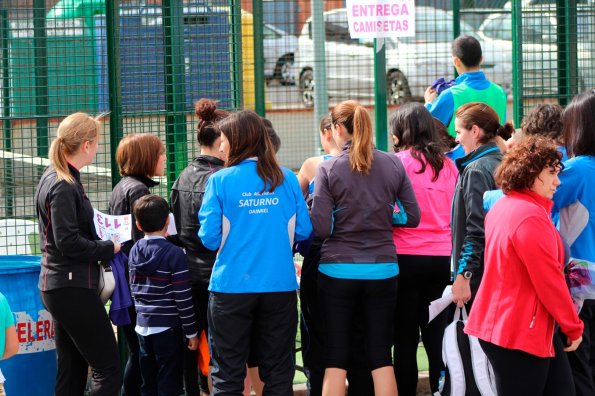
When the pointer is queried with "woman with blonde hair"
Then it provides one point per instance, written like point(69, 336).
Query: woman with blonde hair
point(139, 158)
point(356, 196)
point(69, 264)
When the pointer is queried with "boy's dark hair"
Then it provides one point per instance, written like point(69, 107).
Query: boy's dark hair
point(468, 50)
point(151, 212)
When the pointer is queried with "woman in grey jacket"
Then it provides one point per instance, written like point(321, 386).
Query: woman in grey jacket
point(477, 126)
point(354, 209)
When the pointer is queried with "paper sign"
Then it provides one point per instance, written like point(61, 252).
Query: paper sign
point(108, 226)
point(381, 18)
point(171, 228)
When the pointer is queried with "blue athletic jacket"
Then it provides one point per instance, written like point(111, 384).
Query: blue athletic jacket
point(253, 231)
point(574, 200)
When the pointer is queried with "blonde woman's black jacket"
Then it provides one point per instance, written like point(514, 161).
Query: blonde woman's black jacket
point(185, 201)
point(69, 244)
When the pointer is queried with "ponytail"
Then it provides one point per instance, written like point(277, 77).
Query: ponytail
point(73, 131)
point(360, 155)
point(57, 158)
point(358, 124)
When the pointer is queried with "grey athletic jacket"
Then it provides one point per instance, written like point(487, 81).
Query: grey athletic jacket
point(476, 176)
point(353, 213)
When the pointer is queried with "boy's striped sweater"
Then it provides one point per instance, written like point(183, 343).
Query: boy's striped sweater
point(160, 285)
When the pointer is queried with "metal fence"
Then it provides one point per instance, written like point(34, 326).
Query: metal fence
point(146, 62)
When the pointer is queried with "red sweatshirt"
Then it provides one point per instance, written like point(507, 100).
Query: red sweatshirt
point(523, 291)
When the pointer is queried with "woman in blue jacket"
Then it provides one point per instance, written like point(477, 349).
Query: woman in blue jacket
point(252, 212)
point(353, 211)
point(574, 200)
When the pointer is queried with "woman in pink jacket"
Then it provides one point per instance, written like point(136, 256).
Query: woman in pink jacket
point(423, 252)
point(523, 297)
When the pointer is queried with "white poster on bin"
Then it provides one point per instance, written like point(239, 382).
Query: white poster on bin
point(381, 18)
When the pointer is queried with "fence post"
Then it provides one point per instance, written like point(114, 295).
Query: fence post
point(112, 28)
point(6, 125)
point(257, 25)
point(41, 76)
point(566, 34)
point(517, 61)
point(380, 93)
point(320, 92)
point(175, 90)
point(236, 52)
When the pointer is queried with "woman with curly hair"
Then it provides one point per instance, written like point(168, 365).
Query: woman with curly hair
point(546, 120)
point(523, 294)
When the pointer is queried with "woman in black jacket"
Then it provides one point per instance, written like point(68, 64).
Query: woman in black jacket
point(69, 265)
point(186, 200)
point(139, 157)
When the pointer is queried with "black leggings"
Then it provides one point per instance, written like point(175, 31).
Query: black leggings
point(422, 279)
point(84, 337)
point(521, 374)
point(340, 299)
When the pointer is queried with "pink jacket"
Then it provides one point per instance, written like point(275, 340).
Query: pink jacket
point(432, 236)
point(523, 292)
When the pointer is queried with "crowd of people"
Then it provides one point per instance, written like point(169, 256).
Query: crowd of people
point(382, 235)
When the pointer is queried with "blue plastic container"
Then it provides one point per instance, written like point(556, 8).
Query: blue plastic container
point(32, 371)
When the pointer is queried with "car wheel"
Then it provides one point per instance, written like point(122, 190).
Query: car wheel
point(307, 88)
point(284, 70)
point(398, 91)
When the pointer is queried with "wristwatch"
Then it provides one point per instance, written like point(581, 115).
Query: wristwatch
point(467, 274)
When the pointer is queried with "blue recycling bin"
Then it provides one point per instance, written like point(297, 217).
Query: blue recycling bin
point(32, 371)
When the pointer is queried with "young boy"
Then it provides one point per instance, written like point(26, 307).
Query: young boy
point(160, 286)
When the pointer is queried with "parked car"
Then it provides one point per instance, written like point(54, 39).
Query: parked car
point(540, 47)
point(279, 48)
point(412, 63)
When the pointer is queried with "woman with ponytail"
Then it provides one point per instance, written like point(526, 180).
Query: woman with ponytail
point(251, 213)
point(477, 126)
point(424, 252)
point(359, 195)
point(69, 264)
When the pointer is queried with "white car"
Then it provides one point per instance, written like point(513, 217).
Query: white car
point(539, 48)
point(412, 63)
point(279, 48)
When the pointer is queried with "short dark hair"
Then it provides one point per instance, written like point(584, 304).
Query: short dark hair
point(579, 125)
point(545, 120)
point(525, 161)
point(468, 50)
point(151, 212)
